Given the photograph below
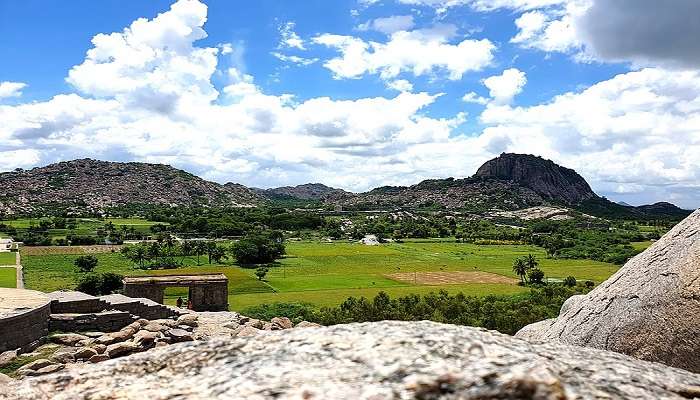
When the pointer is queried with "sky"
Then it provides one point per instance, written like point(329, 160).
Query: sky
point(358, 93)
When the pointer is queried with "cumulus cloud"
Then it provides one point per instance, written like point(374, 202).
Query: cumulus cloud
point(442, 6)
point(401, 85)
point(636, 135)
point(11, 89)
point(289, 38)
point(503, 88)
point(389, 25)
point(638, 130)
point(419, 52)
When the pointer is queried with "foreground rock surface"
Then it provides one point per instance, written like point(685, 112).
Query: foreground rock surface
point(649, 309)
point(384, 360)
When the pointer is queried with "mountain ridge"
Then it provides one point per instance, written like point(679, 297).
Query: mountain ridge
point(508, 182)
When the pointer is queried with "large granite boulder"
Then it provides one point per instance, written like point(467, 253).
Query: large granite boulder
point(382, 360)
point(649, 309)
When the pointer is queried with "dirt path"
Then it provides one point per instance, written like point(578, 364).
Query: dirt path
point(450, 278)
point(20, 271)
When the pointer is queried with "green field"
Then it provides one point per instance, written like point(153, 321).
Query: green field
point(7, 258)
point(84, 226)
point(641, 245)
point(327, 273)
point(8, 277)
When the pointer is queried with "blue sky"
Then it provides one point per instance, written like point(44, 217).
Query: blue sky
point(381, 92)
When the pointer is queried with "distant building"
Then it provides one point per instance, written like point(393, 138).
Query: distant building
point(7, 245)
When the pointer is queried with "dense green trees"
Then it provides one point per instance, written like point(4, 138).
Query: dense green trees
point(259, 248)
point(507, 314)
point(100, 284)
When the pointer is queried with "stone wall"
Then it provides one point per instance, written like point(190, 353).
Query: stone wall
point(22, 330)
point(79, 306)
point(108, 321)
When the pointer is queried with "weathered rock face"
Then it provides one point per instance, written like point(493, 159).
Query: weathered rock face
point(385, 360)
point(543, 176)
point(649, 309)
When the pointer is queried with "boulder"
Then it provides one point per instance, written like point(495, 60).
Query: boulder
point(187, 319)
point(85, 353)
point(649, 309)
point(307, 324)
point(382, 360)
point(254, 323)
point(46, 370)
point(282, 322)
point(85, 342)
point(248, 331)
point(64, 355)
point(105, 339)
point(4, 380)
point(155, 327)
point(7, 357)
point(37, 364)
point(68, 339)
point(93, 335)
point(120, 349)
point(179, 335)
point(122, 335)
point(144, 338)
point(99, 358)
point(99, 348)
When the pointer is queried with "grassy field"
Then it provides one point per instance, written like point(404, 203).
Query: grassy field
point(7, 258)
point(8, 277)
point(327, 273)
point(84, 226)
point(641, 245)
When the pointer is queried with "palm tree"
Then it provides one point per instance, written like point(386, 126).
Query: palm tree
point(520, 269)
point(531, 262)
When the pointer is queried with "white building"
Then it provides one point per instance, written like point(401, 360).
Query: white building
point(7, 245)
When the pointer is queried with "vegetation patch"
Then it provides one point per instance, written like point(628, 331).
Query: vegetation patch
point(450, 278)
point(8, 277)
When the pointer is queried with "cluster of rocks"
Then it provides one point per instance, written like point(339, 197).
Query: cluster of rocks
point(231, 324)
point(93, 347)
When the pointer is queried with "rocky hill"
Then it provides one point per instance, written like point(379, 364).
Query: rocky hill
point(308, 191)
point(544, 177)
point(93, 186)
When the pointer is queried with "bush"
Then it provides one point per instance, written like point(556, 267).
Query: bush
point(297, 312)
point(261, 272)
point(569, 281)
point(535, 276)
point(86, 263)
point(101, 284)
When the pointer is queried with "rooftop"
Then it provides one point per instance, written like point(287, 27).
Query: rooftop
point(176, 279)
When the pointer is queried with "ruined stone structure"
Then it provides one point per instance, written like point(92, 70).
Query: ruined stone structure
point(24, 318)
point(206, 292)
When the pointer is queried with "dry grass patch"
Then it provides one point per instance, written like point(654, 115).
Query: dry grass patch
point(49, 250)
point(450, 278)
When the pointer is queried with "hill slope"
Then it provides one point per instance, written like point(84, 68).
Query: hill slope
point(308, 191)
point(93, 186)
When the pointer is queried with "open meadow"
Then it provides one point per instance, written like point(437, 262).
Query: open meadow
point(7, 258)
point(8, 277)
point(325, 274)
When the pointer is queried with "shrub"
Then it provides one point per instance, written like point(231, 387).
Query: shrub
point(101, 284)
point(261, 272)
point(259, 248)
point(86, 263)
point(570, 281)
point(535, 276)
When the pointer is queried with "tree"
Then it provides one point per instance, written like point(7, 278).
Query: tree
point(259, 248)
point(531, 262)
point(520, 269)
point(199, 248)
point(570, 281)
point(86, 263)
point(535, 276)
point(136, 254)
point(260, 273)
point(215, 253)
point(96, 285)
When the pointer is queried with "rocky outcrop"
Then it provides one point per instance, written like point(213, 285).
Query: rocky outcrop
point(91, 186)
point(384, 360)
point(649, 309)
point(546, 178)
point(308, 191)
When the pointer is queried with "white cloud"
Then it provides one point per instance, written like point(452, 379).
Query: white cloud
point(401, 85)
point(442, 6)
point(472, 97)
point(389, 25)
point(294, 59)
point(503, 88)
point(11, 89)
point(640, 129)
point(419, 52)
point(289, 38)
point(637, 134)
